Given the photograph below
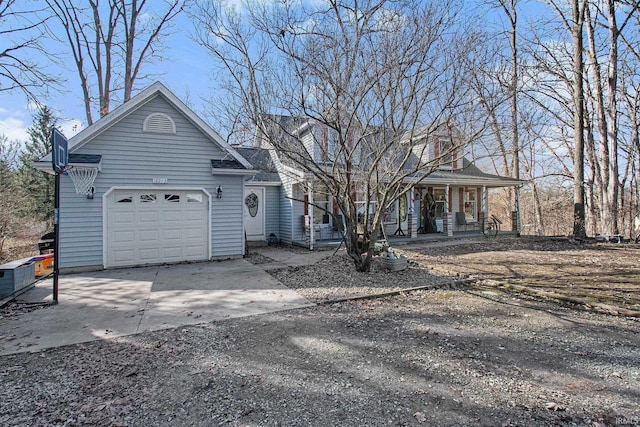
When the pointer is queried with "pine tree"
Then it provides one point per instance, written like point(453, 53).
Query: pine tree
point(37, 187)
point(8, 200)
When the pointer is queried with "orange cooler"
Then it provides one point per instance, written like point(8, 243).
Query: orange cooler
point(43, 264)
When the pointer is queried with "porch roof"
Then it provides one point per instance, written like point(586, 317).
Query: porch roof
point(260, 159)
point(468, 175)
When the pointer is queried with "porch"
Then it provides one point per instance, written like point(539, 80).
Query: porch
point(427, 212)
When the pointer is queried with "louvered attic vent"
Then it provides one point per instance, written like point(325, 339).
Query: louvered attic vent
point(159, 123)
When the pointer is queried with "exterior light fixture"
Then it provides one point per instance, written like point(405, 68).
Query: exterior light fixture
point(219, 193)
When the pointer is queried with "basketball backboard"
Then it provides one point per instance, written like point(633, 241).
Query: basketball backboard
point(59, 153)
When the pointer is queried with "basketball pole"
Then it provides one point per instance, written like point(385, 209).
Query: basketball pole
point(56, 231)
point(59, 160)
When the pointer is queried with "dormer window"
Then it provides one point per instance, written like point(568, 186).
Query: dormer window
point(159, 123)
point(443, 152)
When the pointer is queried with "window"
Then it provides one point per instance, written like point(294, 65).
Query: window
point(194, 197)
point(333, 145)
point(124, 199)
point(147, 198)
point(470, 203)
point(361, 209)
point(321, 206)
point(440, 197)
point(172, 198)
point(444, 153)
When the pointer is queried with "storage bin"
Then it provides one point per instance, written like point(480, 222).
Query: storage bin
point(43, 264)
point(16, 275)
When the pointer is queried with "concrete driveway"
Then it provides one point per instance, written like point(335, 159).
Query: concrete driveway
point(114, 303)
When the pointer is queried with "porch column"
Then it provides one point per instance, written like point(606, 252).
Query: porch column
point(413, 218)
point(516, 226)
point(448, 216)
point(312, 234)
point(485, 201)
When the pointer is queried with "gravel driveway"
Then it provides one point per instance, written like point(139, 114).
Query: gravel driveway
point(464, 356)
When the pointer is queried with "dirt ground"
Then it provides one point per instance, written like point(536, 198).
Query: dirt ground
point(597, 274)
point(455, 354)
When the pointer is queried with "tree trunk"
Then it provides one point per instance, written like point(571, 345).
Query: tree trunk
point(610, 222)
point(579, 230)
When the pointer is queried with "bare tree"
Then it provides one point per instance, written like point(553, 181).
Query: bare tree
point(498, 84)
point(576, 25)
point(564, 93)
point(605, 101)
point(21, 32)
point(111, 42)
point(383, 77)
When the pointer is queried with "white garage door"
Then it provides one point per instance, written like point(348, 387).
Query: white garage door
point(151, 226)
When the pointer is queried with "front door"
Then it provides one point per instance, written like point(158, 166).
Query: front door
point(254, 213)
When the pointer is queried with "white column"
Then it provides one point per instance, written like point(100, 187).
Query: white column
point(518, 217)
point(485, 201)
point(448, 215)
point(312, 234)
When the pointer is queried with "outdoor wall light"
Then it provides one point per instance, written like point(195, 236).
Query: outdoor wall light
point(219, 193)
point(92, 191)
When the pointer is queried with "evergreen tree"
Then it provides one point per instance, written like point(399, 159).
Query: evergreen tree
point(8, 200)
point(37, 187)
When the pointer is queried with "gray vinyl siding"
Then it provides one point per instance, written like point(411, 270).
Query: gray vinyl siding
point(131, 158)
point(285, 213)
point(297, 210)
point(272, 210)
point(80, 227)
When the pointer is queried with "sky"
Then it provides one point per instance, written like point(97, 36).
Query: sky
point(187, 71)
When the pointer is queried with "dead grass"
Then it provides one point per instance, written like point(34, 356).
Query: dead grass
point(22, 243)
point(596, 273)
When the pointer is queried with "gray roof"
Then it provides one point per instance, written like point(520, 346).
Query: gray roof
point(469, 174)
point(283, 127)
point(260, 159)
point(84, 158)
point(226, 164)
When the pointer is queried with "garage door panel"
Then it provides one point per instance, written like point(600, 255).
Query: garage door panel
point(125, 236)
point(172, 252)
point(149, 254)
point(149, 216)
point(195, 215)
point(172, 216)
point(194, 233)
point(120, 256)
point(173, 234)
point(193, 250)
point(123, 217)
point(148, 235)
point(157, 231)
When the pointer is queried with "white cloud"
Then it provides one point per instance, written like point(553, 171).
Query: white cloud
point(14, 129)
point(70, 127)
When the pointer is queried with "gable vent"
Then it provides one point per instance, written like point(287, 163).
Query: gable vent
point(159, 123)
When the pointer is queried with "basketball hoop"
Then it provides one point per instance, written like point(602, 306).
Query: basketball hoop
point(83, 179)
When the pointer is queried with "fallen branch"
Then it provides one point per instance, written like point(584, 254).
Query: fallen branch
point(606, 308)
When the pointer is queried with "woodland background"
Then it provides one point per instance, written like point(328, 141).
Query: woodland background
point(539, 71)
